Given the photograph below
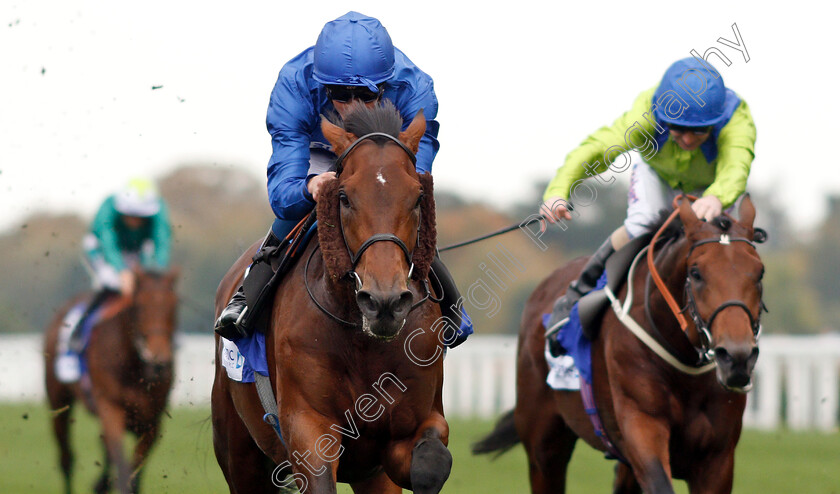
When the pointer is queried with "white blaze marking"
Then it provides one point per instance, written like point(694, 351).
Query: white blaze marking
point(380, 178)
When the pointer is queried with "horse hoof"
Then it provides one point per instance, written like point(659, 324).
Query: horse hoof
point(431, 464)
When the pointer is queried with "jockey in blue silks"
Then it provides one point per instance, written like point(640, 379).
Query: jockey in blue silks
point(353, 59)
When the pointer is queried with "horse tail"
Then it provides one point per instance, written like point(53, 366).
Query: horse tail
point(502, 438)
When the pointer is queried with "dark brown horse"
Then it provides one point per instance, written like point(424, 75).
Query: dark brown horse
point(667, 420)
point(360, 400)
point(129, 360)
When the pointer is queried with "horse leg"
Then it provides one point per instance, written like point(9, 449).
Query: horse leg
point(245, 467)
point(549, 446)
point(103, 484)
point(625, 481)
point(113, 429)
point(141, 450)
point(317, 470)
point(647, 442)
point(379, 484)
point(422, 463)
point(723, 465)
point(431, 463)
point(61, 408)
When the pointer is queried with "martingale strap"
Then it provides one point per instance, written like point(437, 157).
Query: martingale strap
point(589, 405)
point(269, 404)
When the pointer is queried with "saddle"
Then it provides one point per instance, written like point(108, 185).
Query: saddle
point(270, 265)
point(592, 305)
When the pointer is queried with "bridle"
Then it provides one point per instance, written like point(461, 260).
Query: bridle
point(702, 327)
point(378, 237)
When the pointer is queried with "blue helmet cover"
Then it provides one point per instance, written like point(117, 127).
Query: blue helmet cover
point(354, 50)
point(691, 94)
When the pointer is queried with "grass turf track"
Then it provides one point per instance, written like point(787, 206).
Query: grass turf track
point(183, 460)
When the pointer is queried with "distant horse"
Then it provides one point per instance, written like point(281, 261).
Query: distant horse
point(354, 356)
point(665, 419)
point(129, 362)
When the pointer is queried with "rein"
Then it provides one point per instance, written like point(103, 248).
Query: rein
point(494, 234)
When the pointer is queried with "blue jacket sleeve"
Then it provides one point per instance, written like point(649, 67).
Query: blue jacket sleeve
point(415, 91)
point(290, 120)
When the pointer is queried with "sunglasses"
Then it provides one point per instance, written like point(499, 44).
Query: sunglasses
point(698, 131)
point(344, 94)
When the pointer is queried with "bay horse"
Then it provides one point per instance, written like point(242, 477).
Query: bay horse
point(354, 353)
point(664, 420)
point(129, 362)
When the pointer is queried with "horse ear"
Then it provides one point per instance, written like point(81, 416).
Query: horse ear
point(687, 216)
point(747, 212)
point(338, 137)
point(411, 136)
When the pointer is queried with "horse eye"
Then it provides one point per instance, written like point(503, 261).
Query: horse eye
point(419, 201)
point(695, 274)
point(342, 197)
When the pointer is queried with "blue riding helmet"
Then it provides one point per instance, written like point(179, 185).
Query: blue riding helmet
point(353, 50)
point(687, 78)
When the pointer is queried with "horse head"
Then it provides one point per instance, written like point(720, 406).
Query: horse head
point(723, 291)
point(379, 197)
point(154, 312)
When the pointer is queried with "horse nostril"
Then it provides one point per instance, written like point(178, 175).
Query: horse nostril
point(367, 303)
point(722, 356)
point(402, 305)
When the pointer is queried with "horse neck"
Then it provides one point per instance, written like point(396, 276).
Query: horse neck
point(127, 321)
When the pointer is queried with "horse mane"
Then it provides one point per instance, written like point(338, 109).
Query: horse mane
point(674, 231)
point(361, 120)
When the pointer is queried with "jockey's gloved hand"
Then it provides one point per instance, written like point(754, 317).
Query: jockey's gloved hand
point(555, 209)
point(707, 208)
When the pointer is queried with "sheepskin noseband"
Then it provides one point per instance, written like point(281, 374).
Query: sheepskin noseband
point(334, 251)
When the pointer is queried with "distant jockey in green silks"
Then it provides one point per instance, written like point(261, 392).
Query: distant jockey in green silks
point(131, 229)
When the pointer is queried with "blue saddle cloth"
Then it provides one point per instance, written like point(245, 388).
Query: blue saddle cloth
point(85, 330)
point(572, 339)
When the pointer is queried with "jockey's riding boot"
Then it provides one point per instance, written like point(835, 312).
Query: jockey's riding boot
point(451, 304)
point(76, 343)
point(584, 284)
point(227, 324)
point(234, 318)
